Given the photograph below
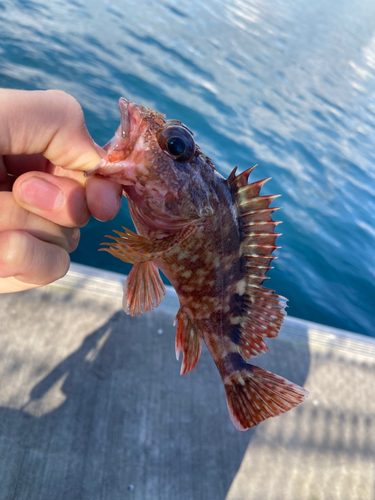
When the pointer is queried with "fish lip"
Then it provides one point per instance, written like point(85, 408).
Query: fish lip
point(123, 105)
point(122, 134)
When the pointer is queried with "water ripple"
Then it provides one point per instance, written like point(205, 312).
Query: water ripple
point(284, 84)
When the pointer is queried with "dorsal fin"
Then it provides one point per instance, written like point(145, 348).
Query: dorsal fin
point(241, 179)
point(263, 310)
point(232, 175)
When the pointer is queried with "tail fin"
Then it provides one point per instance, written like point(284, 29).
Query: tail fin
point(254, 394)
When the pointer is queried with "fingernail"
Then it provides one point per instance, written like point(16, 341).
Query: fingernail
point(41, 194)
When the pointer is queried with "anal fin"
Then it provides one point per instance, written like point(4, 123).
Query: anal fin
point(143, 289)
point(188, 341)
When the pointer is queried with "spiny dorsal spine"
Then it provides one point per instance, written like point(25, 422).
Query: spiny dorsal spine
point(262, 309)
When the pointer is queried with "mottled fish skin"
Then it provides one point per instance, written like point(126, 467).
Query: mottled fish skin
point(207, 276)
point(213, 238)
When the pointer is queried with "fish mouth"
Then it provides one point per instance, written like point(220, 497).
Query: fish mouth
point(119, 148)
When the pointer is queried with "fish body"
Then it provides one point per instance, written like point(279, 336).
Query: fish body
point(213, 239)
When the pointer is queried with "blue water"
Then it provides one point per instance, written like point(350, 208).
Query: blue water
point(287, 84)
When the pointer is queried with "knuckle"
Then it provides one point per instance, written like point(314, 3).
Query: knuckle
point(13, 248)
point(66, 99)
point(70, 107)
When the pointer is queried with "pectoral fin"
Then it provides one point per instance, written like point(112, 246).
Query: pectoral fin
point(134, 248)
point(188, 341)
point(143, 289)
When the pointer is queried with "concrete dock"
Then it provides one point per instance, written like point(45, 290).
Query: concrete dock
point(92, 407)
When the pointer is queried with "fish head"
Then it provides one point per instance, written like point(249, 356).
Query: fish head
point(160, 167)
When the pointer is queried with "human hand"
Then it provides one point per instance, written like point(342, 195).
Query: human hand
point(44, 150)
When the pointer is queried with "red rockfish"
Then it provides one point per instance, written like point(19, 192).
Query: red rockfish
point(213, 239)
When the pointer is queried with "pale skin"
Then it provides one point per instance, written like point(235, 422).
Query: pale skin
point(44, 196)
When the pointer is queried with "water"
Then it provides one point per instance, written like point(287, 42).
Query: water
point(286, 84)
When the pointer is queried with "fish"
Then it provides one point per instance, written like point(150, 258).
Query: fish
point(212, 238)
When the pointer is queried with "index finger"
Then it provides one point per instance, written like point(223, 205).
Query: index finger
point(49, 122)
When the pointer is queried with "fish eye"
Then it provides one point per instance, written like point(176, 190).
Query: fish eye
point(176, 146)
point(177, 142)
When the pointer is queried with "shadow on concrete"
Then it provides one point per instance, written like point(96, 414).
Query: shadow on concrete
point(115, 420)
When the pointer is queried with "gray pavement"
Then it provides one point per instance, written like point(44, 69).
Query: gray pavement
point(92, 407)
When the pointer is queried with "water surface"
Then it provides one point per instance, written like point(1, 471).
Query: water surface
point(286, 84)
